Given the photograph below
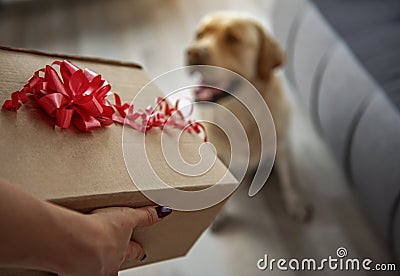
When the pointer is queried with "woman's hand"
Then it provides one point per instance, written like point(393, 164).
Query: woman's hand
point(112, 238)
point(39, 235)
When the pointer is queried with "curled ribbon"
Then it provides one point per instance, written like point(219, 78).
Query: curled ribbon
point(162, 115)
point(79, 96)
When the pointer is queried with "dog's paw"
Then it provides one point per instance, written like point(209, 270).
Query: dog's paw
point(299, 209)
point(219, 222)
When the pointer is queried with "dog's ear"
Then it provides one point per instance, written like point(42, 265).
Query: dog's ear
point(270, 54)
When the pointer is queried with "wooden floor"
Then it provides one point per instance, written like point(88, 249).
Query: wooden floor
point(155, 34)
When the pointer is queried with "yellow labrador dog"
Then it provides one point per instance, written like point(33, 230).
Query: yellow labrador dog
point(237, 42)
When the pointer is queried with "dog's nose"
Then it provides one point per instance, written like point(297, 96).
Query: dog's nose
point(196, 55)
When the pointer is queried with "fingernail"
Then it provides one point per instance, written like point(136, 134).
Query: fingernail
point(163, 211)
point(144, 258)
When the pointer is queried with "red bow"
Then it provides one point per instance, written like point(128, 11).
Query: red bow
point(80, 96)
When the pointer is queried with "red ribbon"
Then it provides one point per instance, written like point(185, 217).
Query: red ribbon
point(162, 115)
point(79, 96)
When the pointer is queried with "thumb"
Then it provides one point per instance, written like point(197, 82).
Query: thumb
point(147, 216)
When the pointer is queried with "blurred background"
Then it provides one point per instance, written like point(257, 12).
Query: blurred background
point(342, 76)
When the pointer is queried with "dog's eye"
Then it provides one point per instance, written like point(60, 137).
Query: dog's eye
point(230, 38)
point(199, 35)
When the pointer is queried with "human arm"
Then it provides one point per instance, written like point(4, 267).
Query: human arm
point(39, 235)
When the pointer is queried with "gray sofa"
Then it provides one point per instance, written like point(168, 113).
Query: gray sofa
point(343, 60)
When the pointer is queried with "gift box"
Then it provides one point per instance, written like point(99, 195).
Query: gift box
point(86, 170)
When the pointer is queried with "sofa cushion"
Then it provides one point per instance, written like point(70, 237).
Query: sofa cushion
point(396, 230)
point(312, 45)
point(345, 89)
point(375, 161)
point(372, 30)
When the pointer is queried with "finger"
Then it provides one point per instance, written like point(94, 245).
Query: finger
point(134, 252)
point(108, 210)
point(147, 216)
point(144, 216)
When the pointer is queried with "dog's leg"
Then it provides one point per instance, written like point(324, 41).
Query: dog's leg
point(220, 221)
point(295, 204)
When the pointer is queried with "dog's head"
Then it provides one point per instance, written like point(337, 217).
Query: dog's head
point(236, 42)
